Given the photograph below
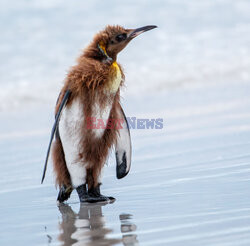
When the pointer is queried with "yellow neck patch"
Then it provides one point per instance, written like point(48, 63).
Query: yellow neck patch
point(102, 46)
point(116, 75)
point(116, 80)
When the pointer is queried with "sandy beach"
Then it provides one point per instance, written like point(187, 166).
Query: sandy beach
point(189, 181)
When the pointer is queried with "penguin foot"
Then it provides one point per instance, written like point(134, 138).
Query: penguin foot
point(96, 195)
point(82, 193)
point(93, 195)
point(64, 193)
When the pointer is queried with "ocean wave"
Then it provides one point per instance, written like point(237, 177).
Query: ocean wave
point(196, 43)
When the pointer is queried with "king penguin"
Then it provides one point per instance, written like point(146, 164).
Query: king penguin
point(91, 92)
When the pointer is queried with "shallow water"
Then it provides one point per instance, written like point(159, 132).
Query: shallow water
point(189, 182)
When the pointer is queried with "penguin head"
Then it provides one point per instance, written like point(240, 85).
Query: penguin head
point(113, 39)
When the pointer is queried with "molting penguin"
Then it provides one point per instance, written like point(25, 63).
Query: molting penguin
point(91, 91)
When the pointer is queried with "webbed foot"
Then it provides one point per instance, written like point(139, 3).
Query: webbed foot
point(96, 196)
point(93, 195)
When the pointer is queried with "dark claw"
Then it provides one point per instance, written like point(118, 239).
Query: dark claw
point(91, 199)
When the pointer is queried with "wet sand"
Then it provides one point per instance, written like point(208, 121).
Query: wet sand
point(189, 182)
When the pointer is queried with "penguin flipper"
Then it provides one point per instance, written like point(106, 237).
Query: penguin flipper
point(55, 126)
point(123, 149)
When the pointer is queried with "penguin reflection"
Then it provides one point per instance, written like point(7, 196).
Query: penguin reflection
point(127, 229)
point(85, 228)
point(88, 227)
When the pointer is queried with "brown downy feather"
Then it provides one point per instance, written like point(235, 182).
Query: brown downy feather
point(88, 81)
point(60, 168)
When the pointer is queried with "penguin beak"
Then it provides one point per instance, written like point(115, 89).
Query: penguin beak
point(135, 32)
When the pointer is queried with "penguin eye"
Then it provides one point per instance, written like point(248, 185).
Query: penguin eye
point(121, 37)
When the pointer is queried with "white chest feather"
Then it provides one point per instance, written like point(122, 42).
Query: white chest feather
point(72, 118)
point(70, 128)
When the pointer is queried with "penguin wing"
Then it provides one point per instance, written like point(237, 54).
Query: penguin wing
point(123, 149)
point(55, 126)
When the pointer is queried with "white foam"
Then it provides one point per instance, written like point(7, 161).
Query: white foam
point(195, 43)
